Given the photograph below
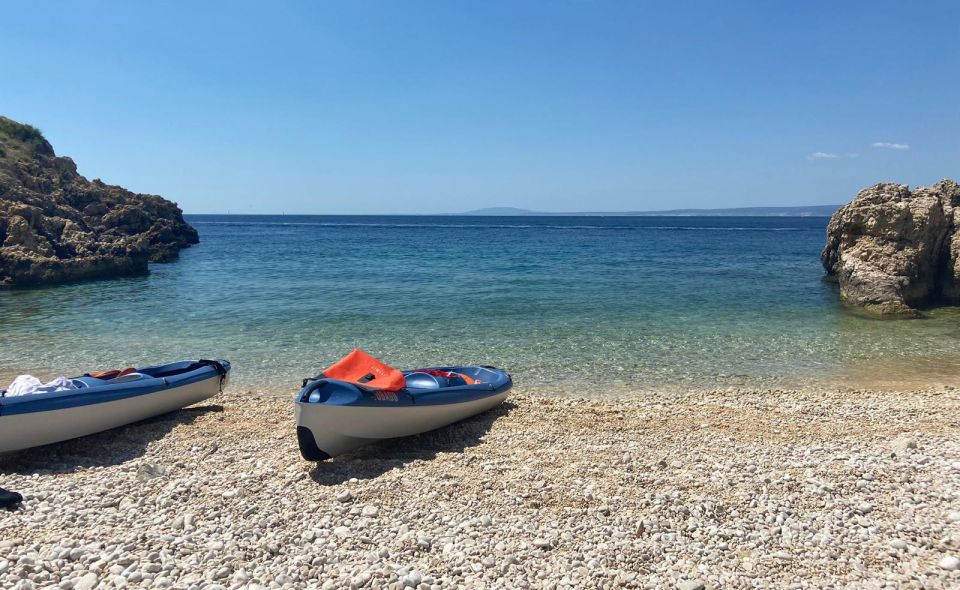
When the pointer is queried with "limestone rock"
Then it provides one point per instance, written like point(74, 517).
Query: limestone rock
point(57, 226)
point(893, 250)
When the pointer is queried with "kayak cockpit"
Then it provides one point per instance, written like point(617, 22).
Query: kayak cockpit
point(453, 377)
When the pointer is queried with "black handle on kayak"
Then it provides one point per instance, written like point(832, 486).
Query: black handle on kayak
point(315, 384)
point(218, 367)
point(309, 379)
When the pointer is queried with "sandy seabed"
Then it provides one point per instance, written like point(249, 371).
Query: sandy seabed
point(703, 489)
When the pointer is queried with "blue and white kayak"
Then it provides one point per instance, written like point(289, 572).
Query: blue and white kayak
point(96, 405)
point(335, 417)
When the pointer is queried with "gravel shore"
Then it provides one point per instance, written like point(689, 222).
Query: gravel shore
point(722, 489)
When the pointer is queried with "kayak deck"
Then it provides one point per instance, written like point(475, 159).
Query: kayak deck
point(33, 420)
point(334, 417)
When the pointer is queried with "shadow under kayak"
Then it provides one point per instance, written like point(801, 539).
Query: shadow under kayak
point(96, 405)
point(335, 417)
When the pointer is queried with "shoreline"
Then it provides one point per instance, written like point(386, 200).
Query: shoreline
point(726, 488)
point(901, 375)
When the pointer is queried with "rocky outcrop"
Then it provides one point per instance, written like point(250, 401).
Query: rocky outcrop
point(57, 226)
point(895, 251)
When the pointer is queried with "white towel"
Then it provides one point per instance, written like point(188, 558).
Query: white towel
point(27, 384)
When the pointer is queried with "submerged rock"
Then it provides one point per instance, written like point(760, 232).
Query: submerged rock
point(57, 226)
point(893, 250)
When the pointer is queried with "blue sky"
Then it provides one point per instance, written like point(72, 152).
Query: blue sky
point(421, 107)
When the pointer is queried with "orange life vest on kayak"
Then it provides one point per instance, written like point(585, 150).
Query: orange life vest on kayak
point(111, 374)
point(365, 371)
point(450, 375)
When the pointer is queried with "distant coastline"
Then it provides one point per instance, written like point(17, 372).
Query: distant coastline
point(808, 211)
point(802, 211)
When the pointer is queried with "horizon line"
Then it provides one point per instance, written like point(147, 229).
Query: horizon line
point(535, 214)
point(520, 212)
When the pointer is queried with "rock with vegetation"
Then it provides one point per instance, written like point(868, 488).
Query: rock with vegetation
point(57, 226)
point(895, 251)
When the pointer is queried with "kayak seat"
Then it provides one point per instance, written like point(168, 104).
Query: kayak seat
point(128, 377)
point(85, 382)
point(417, 380)
point(433, 380)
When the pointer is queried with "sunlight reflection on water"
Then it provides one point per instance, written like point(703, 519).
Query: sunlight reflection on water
point(584, 307)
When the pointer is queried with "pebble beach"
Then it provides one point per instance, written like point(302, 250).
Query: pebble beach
point(706, 489)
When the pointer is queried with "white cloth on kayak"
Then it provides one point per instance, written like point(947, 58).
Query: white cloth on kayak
point(27, 384)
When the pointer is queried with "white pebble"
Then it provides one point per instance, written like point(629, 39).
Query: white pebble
point(413, 579)
point(87, 582)
point(950, 563)
point(370, 511)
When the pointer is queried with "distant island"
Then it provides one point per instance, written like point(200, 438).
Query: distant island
point(807, 211)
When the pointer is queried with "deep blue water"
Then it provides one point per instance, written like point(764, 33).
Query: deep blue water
point(586, 304)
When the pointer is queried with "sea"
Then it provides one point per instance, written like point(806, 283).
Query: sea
point(592, 306)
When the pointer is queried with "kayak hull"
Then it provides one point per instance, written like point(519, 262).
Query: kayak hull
point(350, 417)
point(55, 418)
point(337, 430)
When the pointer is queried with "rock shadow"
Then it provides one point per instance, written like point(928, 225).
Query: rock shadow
point(376, 459)
point(104, 449)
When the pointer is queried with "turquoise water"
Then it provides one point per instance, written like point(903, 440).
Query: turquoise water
point(583, 304)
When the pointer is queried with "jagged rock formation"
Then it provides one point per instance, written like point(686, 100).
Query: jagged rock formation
point(57, 226)
point(895, 251)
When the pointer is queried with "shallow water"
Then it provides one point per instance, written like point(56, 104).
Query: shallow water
point(594, 304)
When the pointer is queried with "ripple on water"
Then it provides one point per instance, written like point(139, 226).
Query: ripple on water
point(615, 304)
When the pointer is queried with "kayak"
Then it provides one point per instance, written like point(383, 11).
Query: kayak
point(106, 400)
point(336, 416)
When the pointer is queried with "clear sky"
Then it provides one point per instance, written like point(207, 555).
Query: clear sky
point(446, 106)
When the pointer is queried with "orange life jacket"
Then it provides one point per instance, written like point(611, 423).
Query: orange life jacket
point(367, 372)
point(450, 375)
point(112, 374)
